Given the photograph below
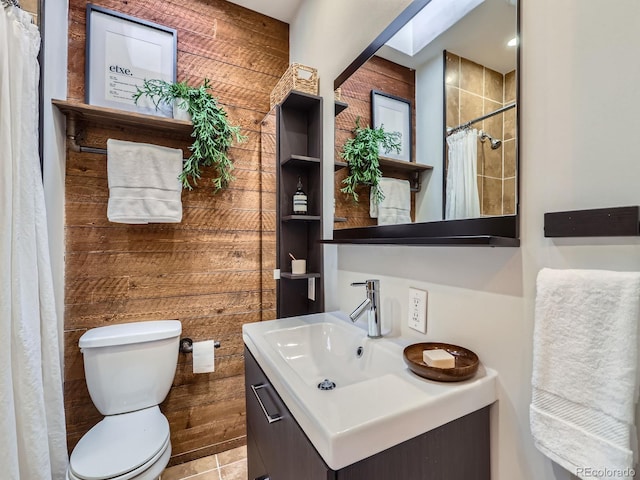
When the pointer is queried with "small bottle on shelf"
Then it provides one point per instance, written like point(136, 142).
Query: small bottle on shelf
point(299, 200)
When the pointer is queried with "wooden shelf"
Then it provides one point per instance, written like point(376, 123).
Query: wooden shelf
point(300, 100)
point(301, 276)
point(340, 106)
point(300, 161)
point(476, 240)
point(387, 164)
point(339, 164)
point(113, 117)
point(391, 165)
point(301, 218)
point(403, 166)
point(487, 231)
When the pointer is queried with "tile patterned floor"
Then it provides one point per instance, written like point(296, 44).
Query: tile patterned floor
point(229, 465)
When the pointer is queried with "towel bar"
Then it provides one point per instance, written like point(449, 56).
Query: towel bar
point(600, 222)
point(72, 141)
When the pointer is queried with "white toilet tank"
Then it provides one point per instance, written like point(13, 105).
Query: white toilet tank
point(130, 366)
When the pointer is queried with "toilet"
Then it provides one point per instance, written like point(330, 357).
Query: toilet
point(129, 369)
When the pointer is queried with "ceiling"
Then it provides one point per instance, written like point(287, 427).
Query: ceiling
point(283, 10)
point(480, 36)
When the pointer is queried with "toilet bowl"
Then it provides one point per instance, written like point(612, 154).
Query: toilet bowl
point(123, 447)
point(129, 369)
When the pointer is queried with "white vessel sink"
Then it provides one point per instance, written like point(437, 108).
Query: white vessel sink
point(376, 403)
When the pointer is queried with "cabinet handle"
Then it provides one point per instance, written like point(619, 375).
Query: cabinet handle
point(270, 418)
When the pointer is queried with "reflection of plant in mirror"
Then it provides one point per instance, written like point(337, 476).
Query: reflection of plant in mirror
point(361, 154)
point(212, 132)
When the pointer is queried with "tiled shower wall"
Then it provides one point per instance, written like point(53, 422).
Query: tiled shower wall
point(473, 90)
point(30, 6)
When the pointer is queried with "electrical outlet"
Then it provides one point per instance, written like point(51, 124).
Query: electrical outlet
point(418, 309)
point(276, 274)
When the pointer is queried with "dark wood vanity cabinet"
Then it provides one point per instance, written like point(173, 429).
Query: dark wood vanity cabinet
point(280, 450)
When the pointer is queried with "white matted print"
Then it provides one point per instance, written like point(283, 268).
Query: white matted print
point(122, 52)
point(394, 115)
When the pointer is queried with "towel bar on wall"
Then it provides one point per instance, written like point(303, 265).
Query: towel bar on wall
point(600, 222)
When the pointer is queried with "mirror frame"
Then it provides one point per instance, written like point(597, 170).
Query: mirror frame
point(495, 231)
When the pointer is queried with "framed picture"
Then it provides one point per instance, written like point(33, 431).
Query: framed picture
point(394, 115)
point(122, 52)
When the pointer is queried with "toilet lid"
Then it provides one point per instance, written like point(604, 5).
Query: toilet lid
point(119, 444)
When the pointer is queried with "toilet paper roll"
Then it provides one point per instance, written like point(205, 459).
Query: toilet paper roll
point(203, 357)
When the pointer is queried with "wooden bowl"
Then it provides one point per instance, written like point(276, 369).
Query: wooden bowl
point(466, 362)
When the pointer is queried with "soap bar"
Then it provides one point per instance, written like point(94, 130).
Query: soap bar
point(438, 358)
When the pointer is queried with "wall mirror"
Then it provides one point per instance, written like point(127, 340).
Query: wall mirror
point(456, 62)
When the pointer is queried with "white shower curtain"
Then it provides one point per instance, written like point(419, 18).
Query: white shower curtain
point(462, 200)
point(32, 426)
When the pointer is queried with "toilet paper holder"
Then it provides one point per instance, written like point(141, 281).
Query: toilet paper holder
point(186, 345)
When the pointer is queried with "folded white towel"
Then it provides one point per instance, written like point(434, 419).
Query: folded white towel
point(143, 183)
point(396, 205)
point(585, 369)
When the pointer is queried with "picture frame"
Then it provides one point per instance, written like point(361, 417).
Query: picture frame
point(394, 114)
point(121, 52)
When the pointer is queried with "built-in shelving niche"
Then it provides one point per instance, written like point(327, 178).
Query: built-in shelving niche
point(299, 152)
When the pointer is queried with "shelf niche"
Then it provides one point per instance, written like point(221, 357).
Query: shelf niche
point(299, 154)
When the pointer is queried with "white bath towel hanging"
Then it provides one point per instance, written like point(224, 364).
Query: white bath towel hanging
point(585, 369)
point(143, 183)
point(396, 206)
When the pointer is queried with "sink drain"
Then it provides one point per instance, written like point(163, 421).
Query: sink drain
point(326, 384)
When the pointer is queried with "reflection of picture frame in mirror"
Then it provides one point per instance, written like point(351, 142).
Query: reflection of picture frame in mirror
point(394, 115)
point(123, 51)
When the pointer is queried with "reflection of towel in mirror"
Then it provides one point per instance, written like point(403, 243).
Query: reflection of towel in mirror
point(143, 183)
point(396, 205)
point(584, 368)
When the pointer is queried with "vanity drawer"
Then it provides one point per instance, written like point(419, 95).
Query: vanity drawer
point(277, 448)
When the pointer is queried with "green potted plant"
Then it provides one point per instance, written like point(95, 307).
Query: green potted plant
point(212, 132)
point(361, 154)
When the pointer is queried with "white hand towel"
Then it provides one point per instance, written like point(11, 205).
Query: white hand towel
point(143, 183)
point(396, 205)
point(584, 369)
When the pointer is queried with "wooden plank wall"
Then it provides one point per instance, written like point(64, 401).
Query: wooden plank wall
point(376, 74)
point(205, 271)
point(268, 160)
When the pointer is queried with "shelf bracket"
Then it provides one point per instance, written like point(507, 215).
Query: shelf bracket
point(73, 132)
point(415, 181)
